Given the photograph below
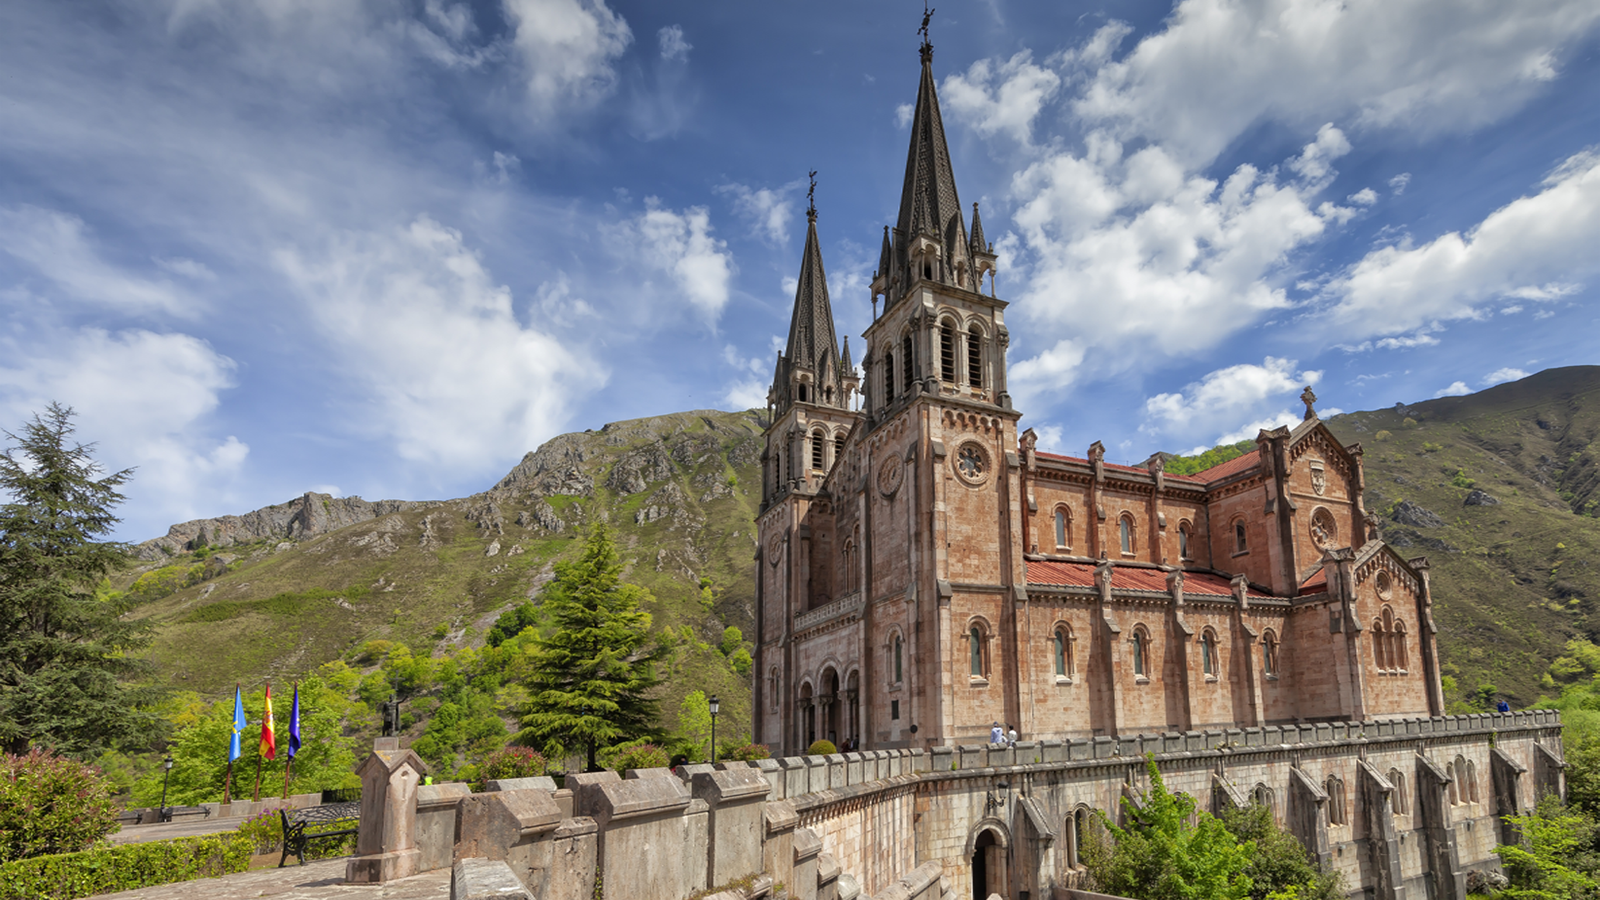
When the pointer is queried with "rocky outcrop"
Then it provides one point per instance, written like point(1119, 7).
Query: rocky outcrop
point(637, 469)
point(307, 516)
point(1408, 513)
point(1481, 498)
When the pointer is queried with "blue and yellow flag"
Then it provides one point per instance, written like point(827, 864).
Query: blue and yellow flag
point(294, 724)
point(238, 724)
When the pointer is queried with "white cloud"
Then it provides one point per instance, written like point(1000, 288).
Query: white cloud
point(145, 398)
point(567, 49)
point(903, 114)
point(680, 244)
point(1249, 431)
point(1456, 389)
point(1225, 395)
point(1364, 197)
point(1001, 98)
point(1511, 310)
point(432, 347)
point(1502, 375)
point(1406, 342)
point(767, 211)
point(1218, 67)
point(1315, 162)
point(673, 47)
point(1519, 250)
point(748, 393)
point(1399, 182)
point(1187, 258)
point(57, 247)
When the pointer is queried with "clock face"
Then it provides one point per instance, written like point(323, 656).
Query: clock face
point(972, 464)
point(890, 475)
point(775, 548)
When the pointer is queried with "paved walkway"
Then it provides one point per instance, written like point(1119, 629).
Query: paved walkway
point(313, 881)
point(138, 834)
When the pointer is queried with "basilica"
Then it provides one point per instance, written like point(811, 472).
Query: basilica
point(925, 572)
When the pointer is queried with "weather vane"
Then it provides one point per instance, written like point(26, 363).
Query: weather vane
point(811, 196)
point(927, 14)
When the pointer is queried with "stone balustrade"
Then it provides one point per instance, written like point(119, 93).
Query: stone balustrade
point(736, 830)
point(848, 605)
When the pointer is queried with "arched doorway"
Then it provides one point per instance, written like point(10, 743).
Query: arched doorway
point(989, 857)
point(829, 697)
point(806, 723)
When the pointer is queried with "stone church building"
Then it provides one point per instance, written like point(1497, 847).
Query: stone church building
point(925, 572)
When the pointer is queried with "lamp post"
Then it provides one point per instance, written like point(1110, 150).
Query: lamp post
point(165, 764)
point(713, 729)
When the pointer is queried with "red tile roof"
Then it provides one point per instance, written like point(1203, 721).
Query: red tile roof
point(1231, 467)
point(1117, 468)
point(1050, 572)
point(1316, 584)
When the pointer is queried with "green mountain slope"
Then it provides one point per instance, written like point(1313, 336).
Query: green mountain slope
point(1499, 490)
point(276, 593)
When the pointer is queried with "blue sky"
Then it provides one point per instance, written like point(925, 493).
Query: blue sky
point(385, 248)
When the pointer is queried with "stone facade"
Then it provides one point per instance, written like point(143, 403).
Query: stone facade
point(924, 572)
point(1403, 808)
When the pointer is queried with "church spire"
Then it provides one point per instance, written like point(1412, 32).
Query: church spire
point(810, 369)
point(928, 199)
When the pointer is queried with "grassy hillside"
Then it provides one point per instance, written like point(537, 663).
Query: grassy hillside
point(680, 491)
point(1500, 490)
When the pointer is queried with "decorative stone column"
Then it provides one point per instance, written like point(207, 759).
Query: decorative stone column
point(386, 846)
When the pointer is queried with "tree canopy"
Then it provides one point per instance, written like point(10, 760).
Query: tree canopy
point(591, 677)
point(65, 667)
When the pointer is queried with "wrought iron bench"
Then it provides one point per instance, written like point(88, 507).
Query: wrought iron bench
point(343, 819)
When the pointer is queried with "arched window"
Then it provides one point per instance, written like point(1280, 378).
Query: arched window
point(1126, 527)
point(975, 356)
point(1398, 799)
point(838, 446)
point(802, 392)
point(1063, 528)
point(1262, 796)
point(908, 362)
point(1183, 540)
point(1399, 645)
point(1141, 649)
point(947, 352)
point(772, 677)
point(978, 638)
point(1455, 786)
point(1269, 653)
point(1472, 781)
point(1208, 652)
point(899, 656)
point(1077, 828)
point(888, 377)
point(1380, 646)
point(1336, 811)
point(1061, 645)
point(1240, 544)
point(818, 439)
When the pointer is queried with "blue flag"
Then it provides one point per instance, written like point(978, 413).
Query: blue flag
point(238, 724)
point(294, 723)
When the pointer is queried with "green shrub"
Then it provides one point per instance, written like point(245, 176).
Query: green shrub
point(749, 752)
point(50, 804)
point(636, 755)
point(104, 870)
point(265, 832)
point(1382, 436)
point(822, 748)
point(511, 762)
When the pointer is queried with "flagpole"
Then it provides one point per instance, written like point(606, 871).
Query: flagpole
point(286, 767)
point(258, 777)
point(227, 784)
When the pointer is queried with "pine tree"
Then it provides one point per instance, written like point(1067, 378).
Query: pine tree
point(592, 676)
point(64, 642)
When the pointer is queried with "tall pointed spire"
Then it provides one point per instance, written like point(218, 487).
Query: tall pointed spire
point(928, 200)
point(810, 370)
point(978, 244)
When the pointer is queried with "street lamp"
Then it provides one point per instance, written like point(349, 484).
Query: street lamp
point(165, 764)
point(714, 729)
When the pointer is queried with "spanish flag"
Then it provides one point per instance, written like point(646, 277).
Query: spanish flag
point(269, 742)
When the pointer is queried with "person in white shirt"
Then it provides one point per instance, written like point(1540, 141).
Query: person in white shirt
point(1011, 737)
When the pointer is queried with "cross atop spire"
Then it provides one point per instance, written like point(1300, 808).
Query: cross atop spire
point(811, 198)
point(927, 46)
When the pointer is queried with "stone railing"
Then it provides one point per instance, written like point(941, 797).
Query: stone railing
point(849, 604)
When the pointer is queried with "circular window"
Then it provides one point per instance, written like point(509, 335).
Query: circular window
point(1324, 530)
point(890, 475)
point(775, 548)
point(1384, 584)
point(972, 464)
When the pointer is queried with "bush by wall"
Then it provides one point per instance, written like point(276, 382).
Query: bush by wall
point(104, 870)
point(822, 748)
point(512, 762)
point(51, 804)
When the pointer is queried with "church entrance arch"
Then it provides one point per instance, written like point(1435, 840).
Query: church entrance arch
point(989, 852)
point(829, 700)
